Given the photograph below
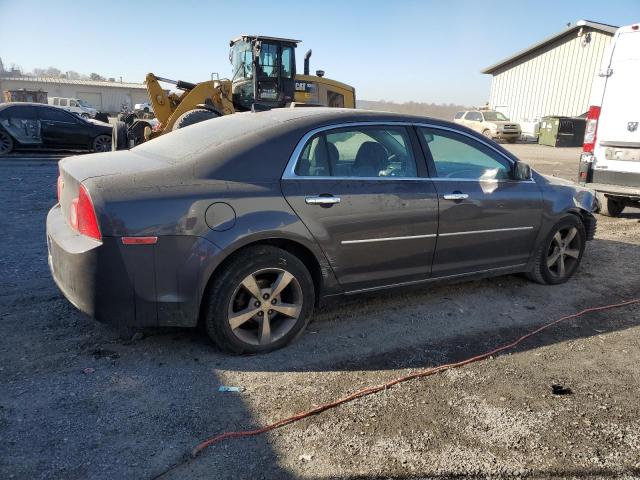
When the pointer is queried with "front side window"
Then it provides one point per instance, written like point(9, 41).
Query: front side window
point(460, 157)
point(55, 115)
point(362, 152)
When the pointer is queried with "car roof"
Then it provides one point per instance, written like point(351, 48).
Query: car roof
point(25, 104)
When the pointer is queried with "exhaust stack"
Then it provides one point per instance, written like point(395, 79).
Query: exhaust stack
point(307, 56)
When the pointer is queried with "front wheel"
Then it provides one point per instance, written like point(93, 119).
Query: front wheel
point(487, 133)
point(259, 302)
point(102, 143)
point(560, 254)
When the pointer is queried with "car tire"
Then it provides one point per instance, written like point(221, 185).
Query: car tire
point(6, 143)
point(609, 207)
point(487, 133)
point(512, 140)
point(263, 269)
point(85, 115)
point(120, 136)
point(194, 116)
point(102, 143)
point(559, 255)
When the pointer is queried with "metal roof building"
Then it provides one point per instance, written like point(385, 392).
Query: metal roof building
point(552, 77)
point(105, 96)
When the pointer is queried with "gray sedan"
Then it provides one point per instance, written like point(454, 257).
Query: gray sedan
point(245, 223)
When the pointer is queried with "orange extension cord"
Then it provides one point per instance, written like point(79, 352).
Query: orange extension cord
point(370, 390)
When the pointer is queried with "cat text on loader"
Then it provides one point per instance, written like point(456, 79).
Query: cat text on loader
point(264, 76)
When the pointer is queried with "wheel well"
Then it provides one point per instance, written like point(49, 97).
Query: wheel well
point(303, 253)
point(588, 222)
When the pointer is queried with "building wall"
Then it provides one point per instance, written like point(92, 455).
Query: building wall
point(555, 80)
point(106, 99)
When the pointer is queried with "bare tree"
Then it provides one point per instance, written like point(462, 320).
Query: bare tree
point(96, 77)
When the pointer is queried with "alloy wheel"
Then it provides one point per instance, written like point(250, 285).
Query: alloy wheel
point(265, 306)
point(102, 143)
point(6, 144)
point(564, 252)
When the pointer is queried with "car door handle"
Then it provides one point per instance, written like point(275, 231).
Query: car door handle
point(322, 200)
point(455, 196)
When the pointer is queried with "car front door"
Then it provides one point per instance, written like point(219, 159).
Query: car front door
point(488, 220)
point(363, 193)
point(61, 129)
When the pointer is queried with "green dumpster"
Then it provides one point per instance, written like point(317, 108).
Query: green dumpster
point(558, 131)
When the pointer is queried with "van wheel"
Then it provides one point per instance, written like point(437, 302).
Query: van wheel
point(609, 207)
point(259, 302)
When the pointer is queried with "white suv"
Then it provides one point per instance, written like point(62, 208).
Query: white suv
point(74, 105)
point(610, 162)
point(490, 123)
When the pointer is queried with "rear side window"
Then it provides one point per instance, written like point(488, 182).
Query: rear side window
point(363, 152)
point(460, 157)
point(458, 115)
point(18, 113)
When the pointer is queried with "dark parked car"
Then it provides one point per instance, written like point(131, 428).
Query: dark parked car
point(245, 222)
point(38, 126)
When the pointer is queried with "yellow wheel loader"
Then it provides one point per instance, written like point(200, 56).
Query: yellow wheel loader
point(264, 77)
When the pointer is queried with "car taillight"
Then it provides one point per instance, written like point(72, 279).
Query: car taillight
point(591, 129)
point(83, 215)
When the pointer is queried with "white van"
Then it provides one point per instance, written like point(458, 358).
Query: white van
point(74, 105)
point(610, 162)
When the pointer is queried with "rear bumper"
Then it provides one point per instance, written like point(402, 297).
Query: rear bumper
point(130, 285)
point(91, 274)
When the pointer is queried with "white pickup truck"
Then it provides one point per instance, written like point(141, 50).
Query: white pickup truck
point(610, 162)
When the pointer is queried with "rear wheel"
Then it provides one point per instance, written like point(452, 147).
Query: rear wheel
point(559, 256)
point(261, 301)
point(609, 207)
point(102, 143)
point(6, 143)
point(194, 116)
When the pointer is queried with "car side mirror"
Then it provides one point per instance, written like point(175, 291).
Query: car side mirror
point(522, 171)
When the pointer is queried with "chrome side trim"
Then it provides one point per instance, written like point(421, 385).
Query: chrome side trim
point(387, 239)
point(433, 279)
point(471, 232)
point(289, 171)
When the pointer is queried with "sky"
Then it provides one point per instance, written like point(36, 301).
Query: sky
point(395, 50)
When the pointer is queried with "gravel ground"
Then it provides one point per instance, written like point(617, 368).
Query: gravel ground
point(142, 405)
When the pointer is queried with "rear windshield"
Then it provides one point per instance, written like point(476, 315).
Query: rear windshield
point(188, 142)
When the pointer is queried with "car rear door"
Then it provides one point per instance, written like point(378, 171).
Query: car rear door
point(61, 129)
point(487, 219)
point(618, 136)
point(22, 123)
point(363, 193)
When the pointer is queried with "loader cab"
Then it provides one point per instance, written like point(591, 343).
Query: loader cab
point(266, 65)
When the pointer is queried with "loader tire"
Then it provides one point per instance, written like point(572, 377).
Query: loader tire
point(120, 137)
point(194, 116)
